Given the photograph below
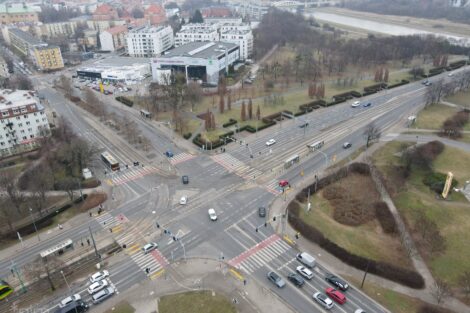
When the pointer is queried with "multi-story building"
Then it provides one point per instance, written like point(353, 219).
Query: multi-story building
point(149, 41)
point(50, 30)
point(244, 38)
point(47, 58)
point(105, 12)
point(90, 38)
point(155, 14)
point(113, 38)
point(11, 13)
point(3, 68)
point(252, 8)
point(196, 32)
point(22, 121)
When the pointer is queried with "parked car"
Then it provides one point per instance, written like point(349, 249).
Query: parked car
point(149, 247)
point(270, 142)
point(338, 282)
point(306, 259)
point(185, 179)
point(335, 295)
point(323, 300)
point(95, 287)
point(347, 145)
point(99, 276)
point(296, 279)
point(70, 299)
point(276, 279)
point(102, 295)
point(262, 211)
point(305, 272)
point(355, 104)
point(184, 200)
point(212, 214)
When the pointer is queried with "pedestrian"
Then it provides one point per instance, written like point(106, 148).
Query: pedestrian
point(90, 214)
point(244, 282)
point(88, 241)
point(60, 226)
point(82, 243)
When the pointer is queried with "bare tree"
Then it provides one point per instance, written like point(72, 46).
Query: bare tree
point(371, 133)
point(6, 213)
point(435, 92)
point(40, 266)
point(8, 184)
point(441, 290)
point(193, 94)
point(464, 280)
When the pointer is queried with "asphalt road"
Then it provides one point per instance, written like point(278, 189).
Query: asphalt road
point(232, 183)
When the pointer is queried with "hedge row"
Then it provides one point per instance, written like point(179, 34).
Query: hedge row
point(208, 145)
point(125, 100)
point(400, 275)
point(403, 82)
point(369, 92)
point(438, 70)
point(311, 105)
point(385, 218)
point(187, 135)
point(455, 65)
point(271, 118)
point(375, 87)
point(230, 123)
point(348, 95)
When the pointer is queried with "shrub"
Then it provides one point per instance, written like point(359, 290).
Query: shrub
point(301, 113)
point(385, 218)
point(75, 99)
point(369, 92)
point(437, 70)
point(452, 127)
point(125, 100)
point(230, 123)
point(429, 308)
point(187, 135)
point(436, 181)
point(403, 82)
point(375, 87)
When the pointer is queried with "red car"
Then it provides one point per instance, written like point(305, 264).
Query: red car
point(335, 295)
point(283, 183)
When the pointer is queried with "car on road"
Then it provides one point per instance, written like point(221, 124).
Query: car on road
point(450, 74)
point(347, 145)
point(270, 142)
point(99, 276)
point(306, 259)
point(262, 211)
point(283, 183)
point(212, 214)
point(355, 104)
point(95, 287)
point(367, 104)
point(276, 279)
point(184, 200)
point(360, 311)
point(296, 279)
point(149, 247)
point(136, 163)
point(335, 295)
point(303, 125)
point(305, 272)
point(169, 153)
point(338, 282)
point(185, 179)
point(72, 298)
point(323, 300)
point(73, 307)
point(428, 84)
point(102, 295)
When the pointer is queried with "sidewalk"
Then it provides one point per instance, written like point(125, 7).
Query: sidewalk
point(197, 275)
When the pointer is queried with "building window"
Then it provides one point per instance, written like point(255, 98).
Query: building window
point(31, 136)
point(2, 143)
point(24, 137)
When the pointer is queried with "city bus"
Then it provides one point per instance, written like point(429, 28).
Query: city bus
point(292, 160)
point(110, 161)
point(58, 249)
point(316, 145)
point(5, 289)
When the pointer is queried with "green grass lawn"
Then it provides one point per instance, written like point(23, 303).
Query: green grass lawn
point(121, 307)
point(452, 216)
point(433, 116)
point(195, 302)
point(461, 98)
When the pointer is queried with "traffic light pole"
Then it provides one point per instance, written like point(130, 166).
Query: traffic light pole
point(170, 234)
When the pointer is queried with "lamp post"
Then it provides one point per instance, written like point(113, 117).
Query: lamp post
point(34, 223)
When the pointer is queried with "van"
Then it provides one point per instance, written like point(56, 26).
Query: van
point(306, 259)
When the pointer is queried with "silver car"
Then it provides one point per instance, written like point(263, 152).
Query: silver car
point(102, 295)
point(276, 279)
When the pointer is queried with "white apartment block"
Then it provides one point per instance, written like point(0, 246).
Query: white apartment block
point(22, 121)
point(197, 32)
point(149, 41)
point(243, 38)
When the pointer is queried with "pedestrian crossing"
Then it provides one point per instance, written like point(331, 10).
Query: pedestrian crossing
point(273, 187)
point(232, 164)
point(181, 157)
point(124, 176)
point(260, 254)
point(110, 222)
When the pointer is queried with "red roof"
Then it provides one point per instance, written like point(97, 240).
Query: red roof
point(104, 9)
point(117, 29)
point(155, 9)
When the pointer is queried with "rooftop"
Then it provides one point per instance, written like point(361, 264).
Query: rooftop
point(198, 28)
point(14, 98)
point(17, 8)
point(115, 63)
point(117, 29)
point(26, 36)
point(204, 50)
point(236, 32)
point(148, 29)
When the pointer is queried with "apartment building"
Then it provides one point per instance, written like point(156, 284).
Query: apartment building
point(197, 32)
point(243, 38)
point(22, 121)
point(113, 38)
point(3, 68)
point(23, 41)
point(47, 58)
point(149, 41)
point(11, 13)
point(50, 30)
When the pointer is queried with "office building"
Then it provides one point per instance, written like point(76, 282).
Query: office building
point(243, 38)
point(149, 41)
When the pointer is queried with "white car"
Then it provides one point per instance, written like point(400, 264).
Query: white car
point(70, 299)
point(184, 200)
point(212, 214)
point(149, 247)
point(270, 142)
point(450, 74)
point(355, 104)
point(99, 276)
point(305, 272)
point(323, 300)
point(95, 287)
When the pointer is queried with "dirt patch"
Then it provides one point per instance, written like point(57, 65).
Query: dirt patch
point(353, 199)
point(92, 201)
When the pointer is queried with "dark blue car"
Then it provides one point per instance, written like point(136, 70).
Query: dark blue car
point(169, 154)
point(367, 104)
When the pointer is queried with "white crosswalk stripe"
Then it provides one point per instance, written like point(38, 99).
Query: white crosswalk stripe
point(273, 186)
point(106, 220)
point(232, 164)
point(126, 175)
point(181, 157)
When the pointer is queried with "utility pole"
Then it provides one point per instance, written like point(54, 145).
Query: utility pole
point(14, 270)
point(365, 274)
point(34, 223)
point(94, 244)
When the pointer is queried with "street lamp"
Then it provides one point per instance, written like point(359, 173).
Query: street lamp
point(34, 223)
